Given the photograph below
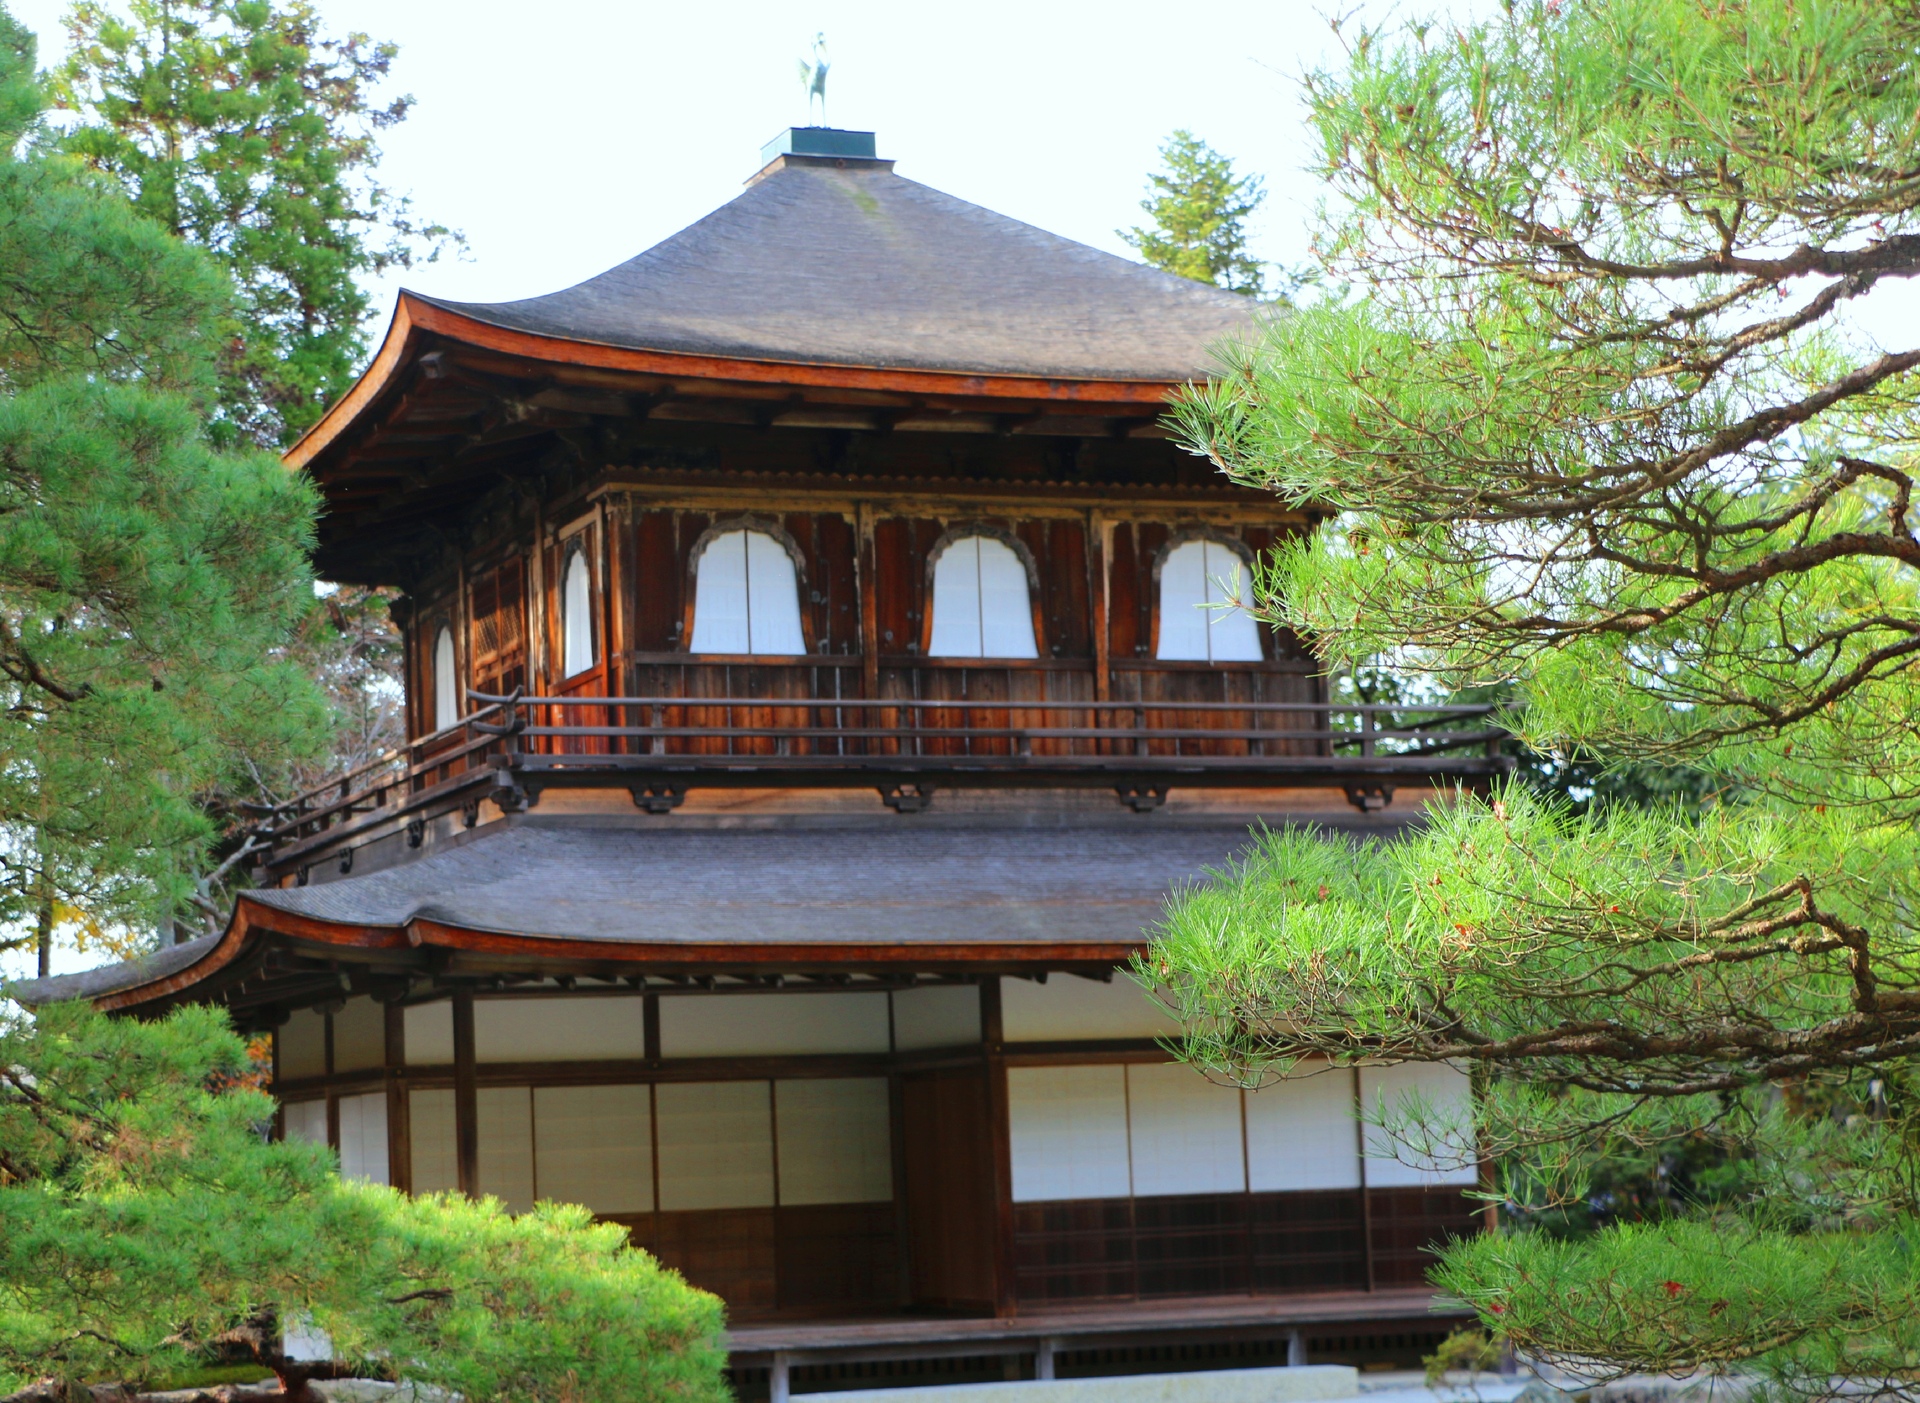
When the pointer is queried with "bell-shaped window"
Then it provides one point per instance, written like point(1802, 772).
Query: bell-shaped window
point(746, 597)
point(1203, 606)
point(981, 608)
point(576, 614)
point(446, 681)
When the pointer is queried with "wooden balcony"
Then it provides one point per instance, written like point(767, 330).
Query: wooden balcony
point(513, 747)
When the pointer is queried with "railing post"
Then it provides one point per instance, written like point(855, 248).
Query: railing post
point(1140, 730)
point(657, 720)
point(1369, 723)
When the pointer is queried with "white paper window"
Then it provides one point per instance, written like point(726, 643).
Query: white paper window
point(363, 1137)
point(593, 1145)
point(772, 1025)
point(1195, 578)
point(1184, 1132)
point(1440, 1094)
point(716, 1145)
point(941, 1016)
point(981, 608)
point(302, 1043)
point(1070, 1009)
point(305, 1122)
point(1068, 1128)
point(446, 682)
point(360, 1036)
point(834, 1141)
point(436, 1154)
point(558, 1029)
point(576, 613)
point(1301, 1132)
point(746, 597)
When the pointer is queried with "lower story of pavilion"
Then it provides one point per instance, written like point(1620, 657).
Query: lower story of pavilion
point(895, 1098)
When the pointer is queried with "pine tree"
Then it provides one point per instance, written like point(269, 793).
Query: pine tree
point(151, 1237)
point(145, 574)
point(240, 126)
point(1199, 212)
point(1601, 435)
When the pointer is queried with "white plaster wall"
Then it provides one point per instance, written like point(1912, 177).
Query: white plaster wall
point(305, 1121)
point(430, 1034)
point(302, 1043)
point(938, 1016)
point(557, 1029)
point(771, 1025)
point(360, 1036)
point(1070, 1009)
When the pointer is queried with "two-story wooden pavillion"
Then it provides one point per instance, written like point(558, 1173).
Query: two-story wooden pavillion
point(821, 666)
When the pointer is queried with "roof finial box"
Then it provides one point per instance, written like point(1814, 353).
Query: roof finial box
point(831, 144)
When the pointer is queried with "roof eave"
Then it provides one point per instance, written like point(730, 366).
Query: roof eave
point(415, 316)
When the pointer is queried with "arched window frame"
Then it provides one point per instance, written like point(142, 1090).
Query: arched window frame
point(444, 687)
point(575, 552)
point(966, 531)
point(766, 526)
point(1212, 536)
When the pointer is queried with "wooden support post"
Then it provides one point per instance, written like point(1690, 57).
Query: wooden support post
point(399, 1108)
point(993, 1034)
point(777, 1378)
point(1043, 1358)
point(466, 1098)
point(865, 582)
point(1296, 1350)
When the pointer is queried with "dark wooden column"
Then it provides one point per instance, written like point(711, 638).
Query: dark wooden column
point(466, 1100)
point(399, 1109)
point(992, 1034)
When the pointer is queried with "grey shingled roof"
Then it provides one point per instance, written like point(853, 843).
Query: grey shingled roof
point(107, 979)
point(895, 885)
point(862, 267)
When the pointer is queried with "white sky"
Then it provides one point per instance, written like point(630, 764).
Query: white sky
point(565, 137)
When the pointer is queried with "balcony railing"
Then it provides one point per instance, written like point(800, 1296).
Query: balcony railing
point(512, 747)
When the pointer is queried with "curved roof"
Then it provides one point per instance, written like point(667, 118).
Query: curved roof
point(847, 263)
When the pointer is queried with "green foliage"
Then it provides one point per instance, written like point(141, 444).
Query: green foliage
point(239, 126)
point(145, 575)
point(1199, 212)
point(1605, 440)
point(148, 1230)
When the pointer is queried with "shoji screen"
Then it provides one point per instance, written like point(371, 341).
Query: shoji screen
point(716, 1145)
point(1068, 1127)
point(363, 1137)
point(305, 1121)
point(1184, 1132)
point(834, 1145)
point(505, 1126)
point(593, 1145)
point(1301, 1133)
point(1445, 1094)
point(436, 1157)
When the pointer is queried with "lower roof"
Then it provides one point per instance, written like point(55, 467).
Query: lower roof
point(635, 896)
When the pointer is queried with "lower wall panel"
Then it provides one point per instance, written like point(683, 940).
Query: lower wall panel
point(1229, 1244)
point(814, 1259)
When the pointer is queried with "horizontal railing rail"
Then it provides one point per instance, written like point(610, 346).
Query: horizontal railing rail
point(512, 744)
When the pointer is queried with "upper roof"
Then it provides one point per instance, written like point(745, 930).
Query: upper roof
point(843, 262)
